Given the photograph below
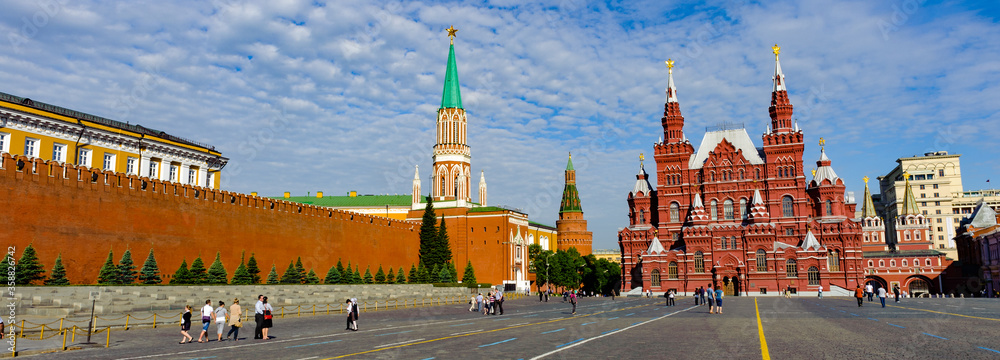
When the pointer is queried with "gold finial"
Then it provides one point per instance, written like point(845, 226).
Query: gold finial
point(814, 172)
point(451, 34)
point(571, 155)
point(906, 176)
point(641, 157)
point(777, 50)
point(670, 66)
point(866, 179)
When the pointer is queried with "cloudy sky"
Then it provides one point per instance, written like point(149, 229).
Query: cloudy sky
point(307, 96)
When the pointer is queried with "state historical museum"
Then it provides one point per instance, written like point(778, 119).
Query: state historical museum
point(736, 215)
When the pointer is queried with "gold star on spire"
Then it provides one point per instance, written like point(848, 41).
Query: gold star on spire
point(451, 33)
point(777, 50)
point(670, 65)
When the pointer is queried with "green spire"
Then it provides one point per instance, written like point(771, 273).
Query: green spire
point(909, 201)
point(571, 197)
point(569, 165)
point(451, 97)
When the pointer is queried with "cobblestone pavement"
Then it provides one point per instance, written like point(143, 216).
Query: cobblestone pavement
point(627, 328)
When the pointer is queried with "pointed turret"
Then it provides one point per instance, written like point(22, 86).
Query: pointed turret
point(452, 171)
point(416, 184)
point(451, 96)
point(810, 242)
point(781, 108)
point(655, 247)
point(672, 121)
point(823, 169)
point(482, 188)
point(642, 185)
point(758, 209)
point(909, 201)
point(697, 214)
point(570, 198)
point(868, 209)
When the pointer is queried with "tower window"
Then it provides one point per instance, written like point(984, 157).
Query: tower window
point(761, 260)
point(727, 209)
point(786, 206)
point(829, 208)
point(790, 269)
point(674, 212)
point(699, 262)
point(743, 209)
point(714, 210)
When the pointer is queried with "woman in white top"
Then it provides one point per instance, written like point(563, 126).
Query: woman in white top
point(206, 319)
point(221, 316)
point(268, 316)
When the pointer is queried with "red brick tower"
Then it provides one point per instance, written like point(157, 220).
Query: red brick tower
point(452, 156)
point(571, 225)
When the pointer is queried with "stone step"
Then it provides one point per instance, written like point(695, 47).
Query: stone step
point(49, 311)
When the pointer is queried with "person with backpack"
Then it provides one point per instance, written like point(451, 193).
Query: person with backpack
point(572, 300)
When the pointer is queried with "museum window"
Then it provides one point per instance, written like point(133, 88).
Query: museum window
point(758, 174)
point(881, 263)
point(672, 270)
point(813, 275)
point(790, 269)
point(871, 263)
point(642, 216)
point(715, 210)
point(675, 212)
point(928, 262)
point(655, 278)
point(904, 263)
point(699, 262)
point(743, 209)
point(723, 244)
point(727, 209)
point(892, 263)
point(761, 260)
point(786, 206)
point(833, 260)
point(829, 208)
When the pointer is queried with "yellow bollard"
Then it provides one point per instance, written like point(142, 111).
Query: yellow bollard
point(13, 348)
point(314, 309)
point(74, 334)
point(376, 305)
point(154, 320)
point(282, 312)
point(22, 329)
point(64, 340)
point(61, 324)
point(42, 334)
point(127, 318)
point(108, 344)
point(298, 311)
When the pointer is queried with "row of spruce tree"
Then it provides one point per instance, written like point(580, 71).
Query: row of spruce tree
point(435, 266)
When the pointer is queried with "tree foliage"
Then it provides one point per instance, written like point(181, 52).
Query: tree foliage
point(428, 235)
point(150, 273)
point(368, 275)
point(272, 277)
point(217, 273)
point(58, 274)
point(469, 274)
point(291, 275)
point(311, 277)
point(390, 278)
point(380, 276)
point(182, 275)
point(126, 269)
point(400, 276)
point(253, 270)
point(109, 272)
point(414, 275)
point(199, 275)
point(333, 276)
point(300, 270)
point(242, 275)
point(29, 269)
point(443, 247)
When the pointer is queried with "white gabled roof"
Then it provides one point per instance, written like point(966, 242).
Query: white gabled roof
point(810, 242)
point(738, 137)
point(655, 247)
point(825, 172)
point(641, 182)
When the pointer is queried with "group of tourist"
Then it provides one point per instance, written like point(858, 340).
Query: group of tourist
point(712, 298)
point(491, 304)
point(232, 318)
point(869, 291)
point(351, 306)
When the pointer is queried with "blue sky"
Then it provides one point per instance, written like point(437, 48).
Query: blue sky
point(307, 96)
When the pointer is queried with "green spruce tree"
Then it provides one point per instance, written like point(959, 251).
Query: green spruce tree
point(429, 235)
point(380, 276)
point(241, 276)
point(253, 270)
point(150, 273)
point(300, 270)
point(58, 275)
point(109, 272)
point(422, 271)
point(390, 278)
point(311, 277)
point(444, 276)
point(469, 274)
point(340, 267)
point(400, 276)
point(414, 276)
point(29, 269)
point(332, 276)
point(433, 274)
point(291, 276)
point(182, 275)
point(443, 245)
point(4, 266)
point(453, 273)
point(348, 277)
point(126, 269)
point(217, 273)
point(357, 279)
point(199, 274)
point(272, 277)
point(368, 275)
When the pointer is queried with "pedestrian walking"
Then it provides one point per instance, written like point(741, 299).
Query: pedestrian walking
point(821, 291)
point(572, 300)
point(235, 313)
point(788, 292)
point(670, 298)
point(258, 318)
point(479, 303)
point(206, 319)
point(472, 302)
point(351, 320)
point(500, 301)
point(881, 295)
point(221, 317)
point(895, 290)
point(710, 295)
point(268, 319)
point(860, 294)
point(357, 313)
point(718, 300)
point(704, 296)
point(870, 291)
point(186, 325)
point(697, 296)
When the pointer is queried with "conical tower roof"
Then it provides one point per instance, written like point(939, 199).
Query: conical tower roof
point(868, 209)
point(909, 201)
point(571, 197)
point(451, 96)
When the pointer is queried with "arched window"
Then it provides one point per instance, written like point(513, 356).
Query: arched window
point(672, 270)
point(881, 263)
point(790, 269)
point(905, 263)
point(829, 208)
point(699, 262)
point(675, 212)
point(892, 263)
point(732, 242)
point(742, 175)
point(712, 175)
point(916, 235)
point(655, 277)
point(727, 209)
point(715, 210)
point(786, 206)
point(761, 260)
point(866, 237)
point(833, 260)
point(642, 216)
point(813, 275)
point(928, 262)
point(871, 263)
point(743, 209)
point(723, 243)
point(442, 185)
point(758, 174)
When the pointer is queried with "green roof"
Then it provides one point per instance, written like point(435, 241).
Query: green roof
point(541, 225)
point(570, 200)
point(569, 164)
point(356, 201)
point(451, 97)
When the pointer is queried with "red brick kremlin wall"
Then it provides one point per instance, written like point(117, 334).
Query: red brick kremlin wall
point(83, 219)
